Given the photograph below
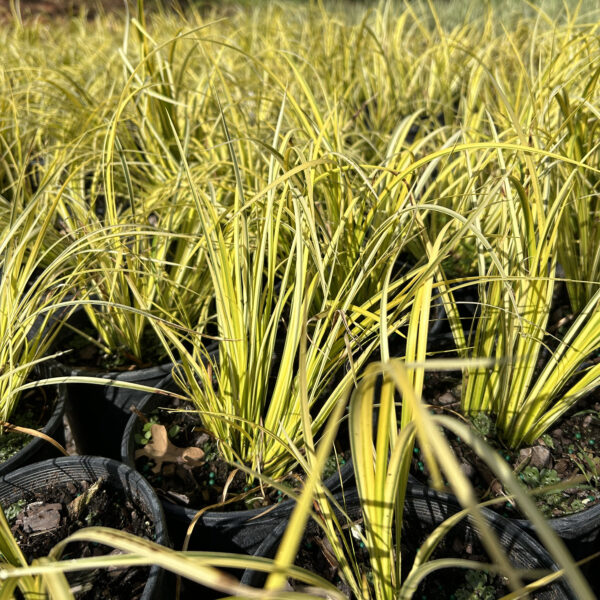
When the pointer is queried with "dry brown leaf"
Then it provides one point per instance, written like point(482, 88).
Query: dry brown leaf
point(161, 450)
point(227, 484)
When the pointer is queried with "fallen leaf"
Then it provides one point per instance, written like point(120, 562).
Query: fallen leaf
point(161, 450)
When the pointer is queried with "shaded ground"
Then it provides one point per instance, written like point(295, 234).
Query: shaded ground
point(67, 8)
point(60, 8)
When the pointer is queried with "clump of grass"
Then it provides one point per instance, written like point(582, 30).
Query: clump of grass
point(301, 182)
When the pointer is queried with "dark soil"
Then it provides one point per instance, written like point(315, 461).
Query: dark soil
point(87, 355)
point(570, 449)
point(40, 521)
point(203, 485)
point(33, 411)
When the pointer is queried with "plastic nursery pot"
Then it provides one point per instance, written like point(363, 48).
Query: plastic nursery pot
point(579, 531)
point(222, 531)
point(581, 534)
point(98, 414)
point(38, 477)
point(424, 510)
point(37, 448)
point(268, 547)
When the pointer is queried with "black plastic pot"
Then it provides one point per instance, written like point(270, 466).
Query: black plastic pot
point(424, 510)
point(74, 469)
point(581, 534)
point(233, 531)
point(580, 531)
point(37, 448)
point(98, 414)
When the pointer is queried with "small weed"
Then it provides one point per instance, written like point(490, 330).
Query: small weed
point(333, 464)
point(548, 441)
point(476, 587)
point(483, 424)
point(589, 465)
point(14, 509)
point(141, 439)
point(534, 478)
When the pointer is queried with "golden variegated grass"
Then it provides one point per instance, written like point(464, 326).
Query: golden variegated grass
point(380, 456)
point(261, 170)
point(30, 292)
point(263, 301)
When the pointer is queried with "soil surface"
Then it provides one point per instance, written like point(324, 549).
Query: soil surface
point(33, 411)
point(196, 479)
point(83, 353)
point(570, 449)
point(41, 520)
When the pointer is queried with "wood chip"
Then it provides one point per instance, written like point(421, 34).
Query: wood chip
point(446, 399)
point(39, 516)
point(76, 506)
point(535, 456)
